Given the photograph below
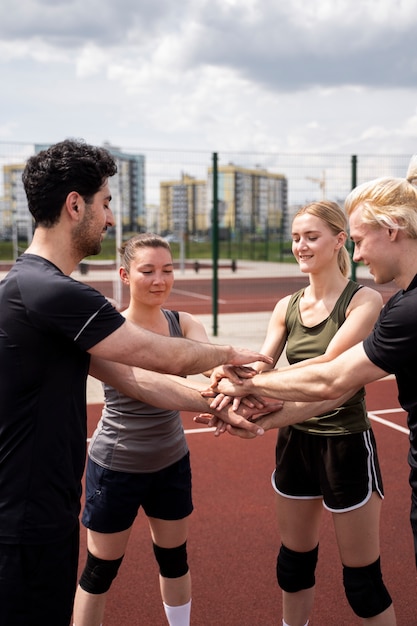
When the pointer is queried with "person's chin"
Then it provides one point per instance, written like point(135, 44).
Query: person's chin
point(377, 280)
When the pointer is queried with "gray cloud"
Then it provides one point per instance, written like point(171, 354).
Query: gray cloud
point(283, 46)
point(284, 50)
point(72, 23)
point(239, 74)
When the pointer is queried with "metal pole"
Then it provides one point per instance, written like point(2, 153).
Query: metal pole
point(215, 243)
point(354, 171)
point(117, 283)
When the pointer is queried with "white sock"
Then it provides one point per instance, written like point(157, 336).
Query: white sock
point(284, 623)
point(178, 615)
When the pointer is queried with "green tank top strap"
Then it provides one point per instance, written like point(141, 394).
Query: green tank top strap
point(340, 307)
point(304, 342)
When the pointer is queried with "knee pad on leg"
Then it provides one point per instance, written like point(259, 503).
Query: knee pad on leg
point(296, 570)
point(172, 561)
point(365, 590)
point(98, 574)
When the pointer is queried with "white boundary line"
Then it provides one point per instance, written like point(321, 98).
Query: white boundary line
point(195, 431)
point(372, 415)
point(188, 431)
point(199, 296)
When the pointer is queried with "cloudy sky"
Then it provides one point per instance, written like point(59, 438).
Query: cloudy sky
point(335, 76)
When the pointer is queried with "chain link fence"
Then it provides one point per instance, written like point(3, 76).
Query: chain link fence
point(171, 192)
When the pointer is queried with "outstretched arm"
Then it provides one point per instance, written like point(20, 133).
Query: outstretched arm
point(328, 381)
point(342, 367)
point(133, 345)
point(169, 392)
point(290, 413)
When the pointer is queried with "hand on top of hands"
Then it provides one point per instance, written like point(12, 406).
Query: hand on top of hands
point(235, 373)
point(257, 413)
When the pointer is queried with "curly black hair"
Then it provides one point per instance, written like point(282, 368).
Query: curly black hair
point(71, 165)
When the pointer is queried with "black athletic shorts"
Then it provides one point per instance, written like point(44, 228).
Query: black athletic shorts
point(343, 470)
point(114, 498)
point(37, 582)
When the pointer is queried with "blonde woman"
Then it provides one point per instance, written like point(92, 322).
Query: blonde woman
point(383, 226)
point(329, 461)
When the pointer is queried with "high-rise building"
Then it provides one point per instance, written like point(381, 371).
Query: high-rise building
point(249, 200)
point(183, 206)
point(128, 188)
point(16, 214)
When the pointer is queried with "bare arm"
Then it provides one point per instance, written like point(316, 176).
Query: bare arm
point(148, 386)
point(167, 392)
point(334, 380)
point(361, 315)
point(132, 345)
point(290, 413)
point(329, 381)
point(276, 335)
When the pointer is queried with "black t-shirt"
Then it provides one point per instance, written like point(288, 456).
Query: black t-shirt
point(47, 323)
point(392, 346)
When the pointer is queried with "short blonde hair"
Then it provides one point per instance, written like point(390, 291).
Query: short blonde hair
point(388, 202)
point(332, 215)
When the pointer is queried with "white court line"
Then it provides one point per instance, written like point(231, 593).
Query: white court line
point(381, 420)
point(191, 294)
point(188, 431)
point(194, 431)
point(382, 411)
point(372, 416)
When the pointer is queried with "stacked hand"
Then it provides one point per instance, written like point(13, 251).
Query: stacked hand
point(263, 419)
point(227, 391)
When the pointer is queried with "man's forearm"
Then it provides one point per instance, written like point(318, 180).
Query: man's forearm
point(309, 384)
point(290, 413)
point(164, 391)
point(352, 369)
point(202, 357)
point(159, 390)
point(135, 346)
point(296, 412)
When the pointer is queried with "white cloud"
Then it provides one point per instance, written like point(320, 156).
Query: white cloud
point(90, 61)
point(259, 75)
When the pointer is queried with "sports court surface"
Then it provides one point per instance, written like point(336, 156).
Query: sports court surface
point(233, 539)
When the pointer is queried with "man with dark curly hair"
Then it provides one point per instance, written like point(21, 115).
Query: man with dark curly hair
point(50, 324)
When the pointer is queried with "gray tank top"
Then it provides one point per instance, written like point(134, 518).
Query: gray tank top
point(135, 437)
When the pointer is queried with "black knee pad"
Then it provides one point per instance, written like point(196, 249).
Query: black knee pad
point(98, 574)
point(365, 590)
point(296, 570)
point(172, 561)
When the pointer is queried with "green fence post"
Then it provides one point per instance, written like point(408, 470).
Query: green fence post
point(215, 243)
point(354, 171)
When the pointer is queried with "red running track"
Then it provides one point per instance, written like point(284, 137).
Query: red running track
point(234, 295)
point(233, 538)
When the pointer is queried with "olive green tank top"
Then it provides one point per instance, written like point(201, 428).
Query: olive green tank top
point(305, 342)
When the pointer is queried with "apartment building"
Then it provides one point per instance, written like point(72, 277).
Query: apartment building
point(183, 206)
point(15, 217)
point(249, 201)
